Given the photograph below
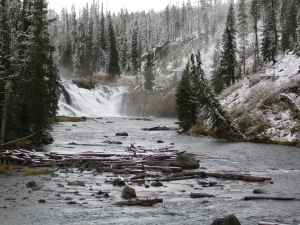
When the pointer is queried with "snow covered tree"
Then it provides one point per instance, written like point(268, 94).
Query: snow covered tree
point(135, 54)
point(43, 83)
point(208, 104)
point(148, 74)
point(243, 31)
point(270, 36)
point(228, 53)
point(255, 10)
point(186, 106)
point(289, 24)
point(113, 67)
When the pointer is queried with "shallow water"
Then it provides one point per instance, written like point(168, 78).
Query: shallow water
point(279, 162)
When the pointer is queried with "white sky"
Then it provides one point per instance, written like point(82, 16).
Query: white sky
point(113, 5)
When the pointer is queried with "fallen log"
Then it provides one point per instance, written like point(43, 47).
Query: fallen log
point(247, 198)
point(267, 223)
point(141, 202)
point(228, 176)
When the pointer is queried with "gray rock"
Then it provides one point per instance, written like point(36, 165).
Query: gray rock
point(185, 161)
point(128, 193)
point(31, 184)
point(258, 191)
point(156, 184)
point(118, 182)
point(42, 201)
point(227, 220)
point(160, 141)
point(71, 203)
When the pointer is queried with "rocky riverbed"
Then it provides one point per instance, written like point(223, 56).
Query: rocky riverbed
point(52, 200)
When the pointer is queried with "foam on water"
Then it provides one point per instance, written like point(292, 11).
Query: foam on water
point(103, 101)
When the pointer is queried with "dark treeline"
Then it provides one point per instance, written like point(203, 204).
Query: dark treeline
point(29, 80)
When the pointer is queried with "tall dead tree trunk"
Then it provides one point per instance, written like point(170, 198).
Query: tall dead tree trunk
point(3, 123)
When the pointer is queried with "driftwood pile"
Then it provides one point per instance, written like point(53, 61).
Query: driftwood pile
point(135, 160)
point(147, 165)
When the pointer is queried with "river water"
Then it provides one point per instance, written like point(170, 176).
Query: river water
point(281, 163)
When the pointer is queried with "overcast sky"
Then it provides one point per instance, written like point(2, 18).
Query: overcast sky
point(113, 5)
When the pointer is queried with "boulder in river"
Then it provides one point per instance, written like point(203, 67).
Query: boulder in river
point(31, 184)
point(227, 220)
point(128, 193)
point(185, 161)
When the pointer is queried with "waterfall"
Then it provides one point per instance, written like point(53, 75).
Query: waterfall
point(103, 100)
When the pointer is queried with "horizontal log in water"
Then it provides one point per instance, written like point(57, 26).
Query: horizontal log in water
point(247, 198)
point(141, 202)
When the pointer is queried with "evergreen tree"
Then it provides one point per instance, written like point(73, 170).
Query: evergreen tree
point(148, 74)
point(44, 80)
point(186, 106)
point(209, 105)
point(103, 40)
point(289, 25)
point(228, 53)
point(243, 31)
point(270, 36)
point(217, 78)
point(135, 56)
point(113, 67)
point(255, 10)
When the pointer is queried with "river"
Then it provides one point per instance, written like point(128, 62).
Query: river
point(281, 163)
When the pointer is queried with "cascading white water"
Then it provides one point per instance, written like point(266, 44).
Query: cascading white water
point(103, 100)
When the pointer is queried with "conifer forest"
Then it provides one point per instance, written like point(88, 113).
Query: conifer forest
point(39, 45)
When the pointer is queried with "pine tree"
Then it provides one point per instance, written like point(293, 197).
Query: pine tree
point(217, 78)
point(270, 36)
point(209, 105)
point(43, 83)
point(113, 67)
point(228, 53)
point(148, 74)
point(289, 25)
point(243, 31)
point(135, 56)
point(186, 106)
point(255, 10)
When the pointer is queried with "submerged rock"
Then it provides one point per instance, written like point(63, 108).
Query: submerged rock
point(156, 184)
point(128, 193)
point(31, 184)
point(185, 161)
point(76, 183)
point(227, 220)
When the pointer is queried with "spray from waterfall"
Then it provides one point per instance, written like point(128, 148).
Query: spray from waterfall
point(103, 100)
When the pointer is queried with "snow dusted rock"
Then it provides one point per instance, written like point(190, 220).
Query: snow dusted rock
point(227, 220)
point(128, 193)
point(185, 161)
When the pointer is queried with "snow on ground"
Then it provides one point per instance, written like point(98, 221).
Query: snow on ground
point(260, 94)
